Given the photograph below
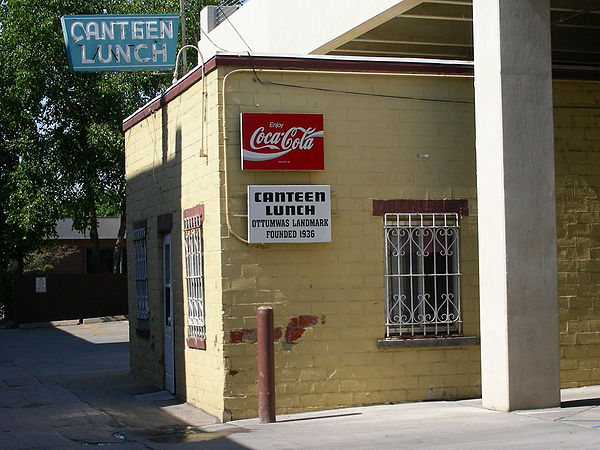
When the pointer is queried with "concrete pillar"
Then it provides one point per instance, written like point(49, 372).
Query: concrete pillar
point(516, 203)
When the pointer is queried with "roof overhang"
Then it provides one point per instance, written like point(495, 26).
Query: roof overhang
point(443, 29)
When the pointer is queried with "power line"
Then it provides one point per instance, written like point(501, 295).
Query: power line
point(366, 94)
point(575, 16)
point(234, 28)
point(210, 40)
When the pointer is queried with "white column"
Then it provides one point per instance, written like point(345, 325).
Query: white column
point(516, 203)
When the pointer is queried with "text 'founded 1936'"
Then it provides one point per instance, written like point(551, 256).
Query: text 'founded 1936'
point(289, 213)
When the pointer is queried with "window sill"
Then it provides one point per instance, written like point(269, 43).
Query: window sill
point(450, 341)
point(197, 343)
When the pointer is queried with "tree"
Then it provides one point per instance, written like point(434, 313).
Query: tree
point(62, 150)
point(26, 201)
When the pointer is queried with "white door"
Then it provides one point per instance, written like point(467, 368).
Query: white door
point(168, 305)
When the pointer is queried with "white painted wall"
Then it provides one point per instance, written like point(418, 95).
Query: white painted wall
point(293, 27)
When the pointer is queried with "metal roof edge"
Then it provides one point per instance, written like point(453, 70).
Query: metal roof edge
point(299, 62)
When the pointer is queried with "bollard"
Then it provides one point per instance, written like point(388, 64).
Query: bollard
point(265, 353)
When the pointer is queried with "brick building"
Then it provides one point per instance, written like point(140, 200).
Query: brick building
point(79, 247)
point(358, 319)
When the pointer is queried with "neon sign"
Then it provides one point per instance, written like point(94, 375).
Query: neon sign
point(121, 42)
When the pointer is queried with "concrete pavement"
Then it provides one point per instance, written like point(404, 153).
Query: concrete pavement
point(64, 387)
point(68, 386)
point(430, 425)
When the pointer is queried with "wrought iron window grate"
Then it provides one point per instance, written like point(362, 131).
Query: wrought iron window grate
point(194, 278)
point(422, 274)
point(141, 272)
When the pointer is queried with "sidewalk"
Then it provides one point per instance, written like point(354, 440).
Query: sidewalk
point(69, 386)
point(447, 425)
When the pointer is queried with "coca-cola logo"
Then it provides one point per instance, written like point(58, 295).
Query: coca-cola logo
point(294, 138)
point(282, 141)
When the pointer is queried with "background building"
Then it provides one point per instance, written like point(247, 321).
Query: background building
point(78, 259)
point(60, 283)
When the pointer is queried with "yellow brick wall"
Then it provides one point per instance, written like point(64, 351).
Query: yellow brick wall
point(146, 175)
point(577, 150)
point(371, 147)
point(170, 169)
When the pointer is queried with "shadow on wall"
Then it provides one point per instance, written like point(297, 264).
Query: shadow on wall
point(154, 198)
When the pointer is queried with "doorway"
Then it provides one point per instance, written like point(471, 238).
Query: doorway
point(168, 314)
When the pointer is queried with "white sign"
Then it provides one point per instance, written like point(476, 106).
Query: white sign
point(40, 285)
point(289, 213)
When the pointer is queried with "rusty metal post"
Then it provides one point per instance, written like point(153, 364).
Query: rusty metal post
point(266, 364)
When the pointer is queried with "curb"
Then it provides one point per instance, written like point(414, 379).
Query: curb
point(119, 318)
point(54, 323)
point(71, 322)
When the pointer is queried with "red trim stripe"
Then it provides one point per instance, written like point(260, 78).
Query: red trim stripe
point(197, 210)
point(307, 63)
point(277, 62)
point(381, 207)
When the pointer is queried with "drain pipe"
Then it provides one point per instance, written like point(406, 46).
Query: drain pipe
point(265, 354)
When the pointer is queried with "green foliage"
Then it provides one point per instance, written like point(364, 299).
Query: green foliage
point(61, 146)
point(47, 256)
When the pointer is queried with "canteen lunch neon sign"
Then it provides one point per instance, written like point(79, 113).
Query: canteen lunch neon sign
point(121, 42)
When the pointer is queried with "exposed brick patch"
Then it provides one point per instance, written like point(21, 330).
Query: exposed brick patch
point(294, 331)
point(380, 207)
point(236, 336)
point(292, 334)
point(296, 328)
point(233, 372)
point(240, 336)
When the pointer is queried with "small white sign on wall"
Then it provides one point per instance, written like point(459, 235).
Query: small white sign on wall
point(40, 285)
point(289, 213)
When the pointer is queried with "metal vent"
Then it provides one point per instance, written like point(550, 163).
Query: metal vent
point(215, 15)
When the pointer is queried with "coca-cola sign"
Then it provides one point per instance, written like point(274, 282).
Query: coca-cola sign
point(282, 141)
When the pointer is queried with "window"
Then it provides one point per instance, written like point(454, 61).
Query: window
point(194, 275)
point(141, 275)
point(422, 274)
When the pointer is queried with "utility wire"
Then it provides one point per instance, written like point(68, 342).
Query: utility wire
point(575, 16)
point(575, 107)
point(369, 94)
point(211, 41)
point(366, 94)
point(401, 97)
point(234, 28)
